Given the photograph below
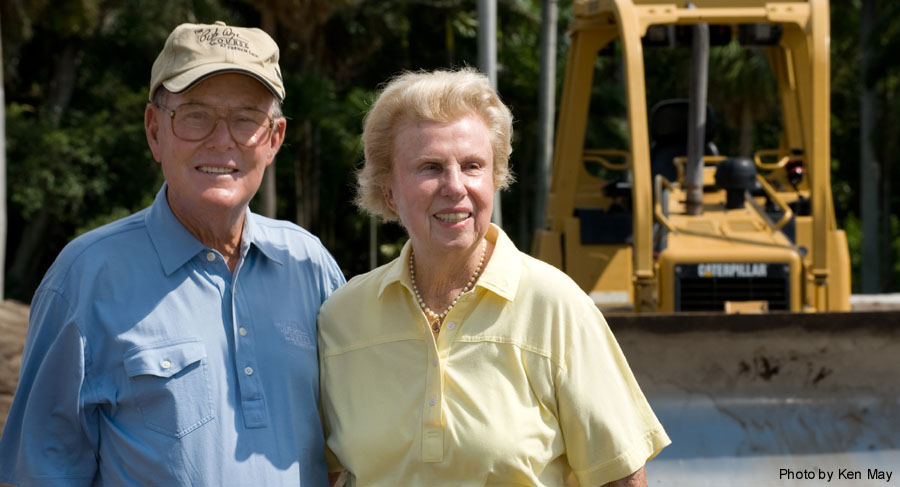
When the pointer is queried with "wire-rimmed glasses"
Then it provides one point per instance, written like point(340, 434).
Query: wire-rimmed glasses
point(196, 121)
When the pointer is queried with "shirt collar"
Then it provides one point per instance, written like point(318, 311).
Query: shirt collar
point(175, 245)
point(398, 271)
point(502, 272)
point(254, 235)
point(500, 276)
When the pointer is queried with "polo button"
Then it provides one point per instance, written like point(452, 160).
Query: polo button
point(434, 362)
point(248, 370)
point(166, 364)
point(451, 325)
point(211, 256)
point(242, 331)
point(432, 401)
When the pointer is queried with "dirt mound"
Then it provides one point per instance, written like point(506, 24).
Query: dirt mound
point(13, 325)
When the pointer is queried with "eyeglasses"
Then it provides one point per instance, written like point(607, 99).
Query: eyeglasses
point(196, 121)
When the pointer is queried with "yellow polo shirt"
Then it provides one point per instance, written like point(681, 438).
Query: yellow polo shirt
point(525, 385)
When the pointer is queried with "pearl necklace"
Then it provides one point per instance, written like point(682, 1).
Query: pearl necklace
point(436, 319)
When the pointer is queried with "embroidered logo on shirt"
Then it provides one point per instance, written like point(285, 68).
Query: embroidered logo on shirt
point(294, 335)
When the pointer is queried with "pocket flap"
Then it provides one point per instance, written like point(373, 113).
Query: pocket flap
point(164, 359)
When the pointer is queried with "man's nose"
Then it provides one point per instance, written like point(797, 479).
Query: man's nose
point(220, 136)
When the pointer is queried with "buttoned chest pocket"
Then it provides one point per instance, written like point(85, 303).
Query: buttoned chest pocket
point(170, 384)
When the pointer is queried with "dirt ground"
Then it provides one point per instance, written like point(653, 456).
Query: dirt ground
point(13, 325)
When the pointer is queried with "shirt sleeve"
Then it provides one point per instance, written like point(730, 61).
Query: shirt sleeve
point(50, 438)
point(331, 275)
point(336, 276)
point(609, 429)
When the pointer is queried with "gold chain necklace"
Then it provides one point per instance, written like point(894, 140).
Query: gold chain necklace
point(436, 319)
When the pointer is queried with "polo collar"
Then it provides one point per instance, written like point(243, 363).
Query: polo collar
point(254, 235)
point(504, 269)
point(501, 274)
point(397, 271)
point(175, 246)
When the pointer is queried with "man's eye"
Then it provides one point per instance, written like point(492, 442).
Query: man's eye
point(248, 117)
point(196, 115)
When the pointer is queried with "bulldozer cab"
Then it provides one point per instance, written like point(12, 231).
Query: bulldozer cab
point(645, 212)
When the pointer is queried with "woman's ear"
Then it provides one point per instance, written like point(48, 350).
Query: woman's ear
point(389, 199)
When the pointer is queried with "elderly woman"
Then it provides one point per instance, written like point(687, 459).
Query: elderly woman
point(465, 361)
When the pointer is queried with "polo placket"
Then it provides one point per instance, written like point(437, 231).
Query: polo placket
point(432, 414)
point(253, 402)
point(438, 354)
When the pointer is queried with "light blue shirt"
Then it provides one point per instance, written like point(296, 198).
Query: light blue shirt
point(148, 363)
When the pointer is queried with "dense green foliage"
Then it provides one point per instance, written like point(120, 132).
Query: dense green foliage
point(76, 74)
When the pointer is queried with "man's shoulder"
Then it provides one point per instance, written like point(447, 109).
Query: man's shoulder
point(99, 245)
point(107, 238)
point(284, 231)
point(288, 242)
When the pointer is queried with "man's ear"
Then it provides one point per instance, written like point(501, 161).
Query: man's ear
point(151, 129)
point(276, 139)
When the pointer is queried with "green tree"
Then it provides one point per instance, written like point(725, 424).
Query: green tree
point(74, 120)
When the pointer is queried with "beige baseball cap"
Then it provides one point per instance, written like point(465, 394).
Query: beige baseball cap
point(196, 51)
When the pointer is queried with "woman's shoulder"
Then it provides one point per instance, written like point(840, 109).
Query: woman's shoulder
point(360, 288)
point(557, 311)
point(541, 280)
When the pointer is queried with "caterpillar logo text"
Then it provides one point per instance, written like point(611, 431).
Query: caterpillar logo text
point(732, 270)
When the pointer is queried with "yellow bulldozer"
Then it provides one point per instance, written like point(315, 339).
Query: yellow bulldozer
point(681, 231)
point(724, 277)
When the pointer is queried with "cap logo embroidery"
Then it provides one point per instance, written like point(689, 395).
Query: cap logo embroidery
point(227, 39)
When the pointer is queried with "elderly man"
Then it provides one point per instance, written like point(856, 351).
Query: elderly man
point(177, 346)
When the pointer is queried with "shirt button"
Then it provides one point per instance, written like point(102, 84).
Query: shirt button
point(451, 325)
point(166, 364)
point(434, 362)
point(211, 256)
point(242, 331)
point(432, 401)
point(248, 370)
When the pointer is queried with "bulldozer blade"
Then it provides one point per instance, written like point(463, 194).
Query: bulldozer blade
point(770, 399)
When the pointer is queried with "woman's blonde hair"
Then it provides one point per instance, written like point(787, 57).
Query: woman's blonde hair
point(438, 96)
